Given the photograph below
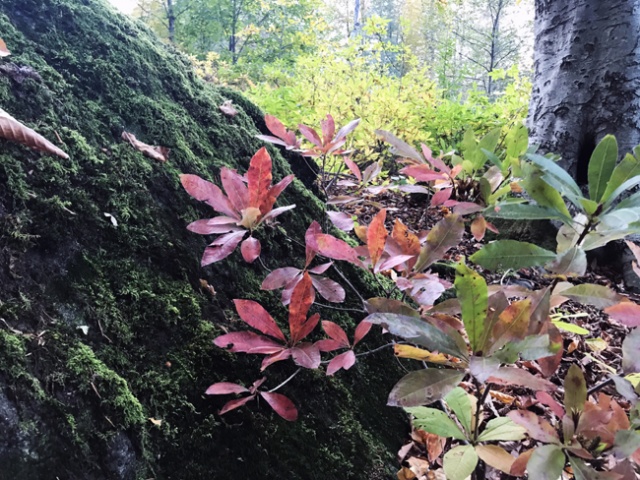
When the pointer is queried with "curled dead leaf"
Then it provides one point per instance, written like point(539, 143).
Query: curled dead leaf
point(4, 51)
point(161, 154)
point(12, 130)
point(157, 423)
point(228, 109)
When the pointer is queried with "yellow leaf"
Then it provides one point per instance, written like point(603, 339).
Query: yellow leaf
point(495, 456)
point(408, 351)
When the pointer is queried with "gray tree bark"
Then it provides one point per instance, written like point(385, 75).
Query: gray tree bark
point(587, 78)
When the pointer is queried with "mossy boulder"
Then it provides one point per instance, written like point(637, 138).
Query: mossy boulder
point(105, 331)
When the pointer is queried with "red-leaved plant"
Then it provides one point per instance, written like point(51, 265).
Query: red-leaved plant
point(248, 203)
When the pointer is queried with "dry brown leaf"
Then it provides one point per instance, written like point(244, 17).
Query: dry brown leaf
point(208, 288)
point(404, 451)
point(228, 109)
point(4, 51)
point(157, 423)
point(406, 474)
point(161, 154)
point(12, 130)
point(418, 466)
point(503, 397)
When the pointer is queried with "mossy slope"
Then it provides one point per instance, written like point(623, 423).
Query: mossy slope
point(76, 405)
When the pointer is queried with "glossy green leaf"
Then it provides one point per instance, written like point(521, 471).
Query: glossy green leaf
point(502, 429)
point(601, 166)
point(570, 263)
point(570, 327)
point(458, 401)
point(600, 238)
point(553, 169)
point(435, 421)
point(460, 462)
point(626, 443)
point(620, 218)
point(524, 211)
point(543, 193)
point(625, 187)
point(471, 290)
point(424, 387)
point(418, 331)
point(546, 463)
point(505, 254)
point(628, 168)
point(597, 296)
point(575, 390)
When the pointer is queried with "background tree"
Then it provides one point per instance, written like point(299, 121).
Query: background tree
point(587, 78)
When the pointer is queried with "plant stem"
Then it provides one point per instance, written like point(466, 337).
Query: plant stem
point(286, 381)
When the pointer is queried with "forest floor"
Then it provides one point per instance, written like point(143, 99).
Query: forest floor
point(598, 349)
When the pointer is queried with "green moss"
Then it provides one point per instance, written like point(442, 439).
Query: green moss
point(148, 351)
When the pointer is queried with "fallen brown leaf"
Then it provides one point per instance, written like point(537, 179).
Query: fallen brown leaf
point(12, 130)
point(161, 154)
point(228, 109)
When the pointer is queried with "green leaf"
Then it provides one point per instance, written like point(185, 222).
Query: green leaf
point(600, 238)
point(589, 206)
point(423, 387)
point(628, 168)
point(458, 401)
point(546, 463)
point(389, 305)
point(569, 233)
point(543, 193)
point(505, 254)
point(581, 471)
point(472, 291)
point(517, 141)
point(552, 168)
point(524, 211)
point(570, 327)
point(632, 201)
point(601, 166)
point(619, 219)
point(418, 331)
point(488, 144)
point(492, 158)
point(575, 390)
point(502, 429)
point(531, 348)
point(630, 349)
point(435, 421)
point(598, 296)
point(460, 462)
point(625, 187)
point(626, 443)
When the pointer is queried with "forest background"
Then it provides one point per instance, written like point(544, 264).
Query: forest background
point(427, 70)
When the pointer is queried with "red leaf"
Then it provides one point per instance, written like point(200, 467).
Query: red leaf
point(341, 220)
point(248, 342)
point(276, 127)
point(224, 388)
point(336, 332)
point(306, 355)
point(435, 161)
point(464, 208)
point(353, 167)
point(320, 269)
point(332, 247)
point(546, 399)
point(250, 249)
point(536, 426)
point(347, 129)
point(276, 357)
point(377, 236)
point(550, 364)
point(257, 317)
point(259, 179)
point(237, 192)
point(478, 227)
point(207, 227)
point(328, 127)
point(361, 331)
point(301, 301)
point(441, 196)
point(281, 405)
point(328, 345)
point(345, 360)
point(310, 134)
point(422, 173)
point(518, 376)
point(209, 193)
point(279, 278)
point(233, 404)
point(627, 313)
point(222, 247)
point(274, 192)
point(328, 289)
point(277, 211)
point(310, 241)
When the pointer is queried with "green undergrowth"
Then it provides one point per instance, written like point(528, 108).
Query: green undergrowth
point(109, 326)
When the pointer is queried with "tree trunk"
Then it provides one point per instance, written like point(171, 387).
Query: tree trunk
point(587, 78)
point(171, 20)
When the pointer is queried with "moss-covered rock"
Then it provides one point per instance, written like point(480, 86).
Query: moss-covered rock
point(105, 327)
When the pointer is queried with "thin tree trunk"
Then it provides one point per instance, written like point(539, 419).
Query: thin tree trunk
point(171, 18)
point(587, 78)
point(356, 18)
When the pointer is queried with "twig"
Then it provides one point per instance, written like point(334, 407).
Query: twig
point(342, 309)
point(286, 381)
point(599, 386)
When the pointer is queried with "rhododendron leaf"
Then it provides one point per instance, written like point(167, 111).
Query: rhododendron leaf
point(627, 313)
point(248, 342)
point(257, 317)
point(377, 236)
point(275, 357)
point(328, 289)
point(310, 134)
point(345, 360)
point(205, 227)
point(341, 220)
point(259, 179)
point(306, 355)
point(224, 388)
point(235, 188)
point(336, 332)
point(233, 404)
point(361, 331)
point(447, 233)
point(207, 192)
point(537, 427)
point(250, 249)
point(279, 278)
point(332, 247)
point(11, 129)
point(222, 247)
point(281, 405)
point(423, 387)
point(301, 301)
point(353, 167)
